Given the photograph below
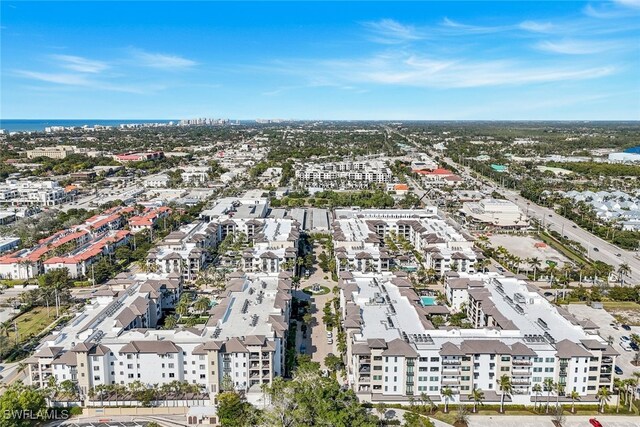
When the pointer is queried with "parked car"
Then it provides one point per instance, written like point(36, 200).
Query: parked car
point(303, 349)
point(618, 254)
point(548, 294)
point(625, 338)
point(626, 327)
point(634, 346)
point(595, 423)
point(618, 370)
point(329, 334)
point(596, 250)
point(626, 345)
point(329, 341)
point(574, 226)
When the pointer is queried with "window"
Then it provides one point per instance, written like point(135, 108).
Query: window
point(435, 359)
point(549, 360)
point(548, 369)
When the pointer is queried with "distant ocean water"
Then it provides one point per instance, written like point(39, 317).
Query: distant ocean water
point(39, 125)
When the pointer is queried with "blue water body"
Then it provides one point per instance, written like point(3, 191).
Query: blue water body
point(39, 125)
point(428, 300)
point(635, 150)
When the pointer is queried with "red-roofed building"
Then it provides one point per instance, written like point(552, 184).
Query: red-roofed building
point(79, 262)
point(148, 218)
point(138, 157)
point(439, 176)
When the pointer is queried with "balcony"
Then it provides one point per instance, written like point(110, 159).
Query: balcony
point(451, 362)
point(521, 362)
point(365, 359)
point(364, 379)
point(254, 356)
point(364, 369)
point(520, 372)
point(607, 360)
point(450, 371)
point(254, 365)
point(450, 381)
point(520, 381)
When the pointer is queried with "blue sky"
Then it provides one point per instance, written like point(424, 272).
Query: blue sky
point(363, 60)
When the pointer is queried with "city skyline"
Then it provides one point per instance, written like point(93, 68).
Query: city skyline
point(409, 61)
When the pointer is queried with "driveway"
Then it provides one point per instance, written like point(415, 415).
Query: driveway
point(603, 319)
point(316, 342)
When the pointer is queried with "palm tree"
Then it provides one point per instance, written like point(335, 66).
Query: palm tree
point(477, 395)
point(447, 393)
point(603, 397)
point(574, 396)
point(559, 390)
point(537, 389)
point(202, 304)
point(506, 388)
point(170, 322)
point(548, 386)
point(617, 387)
point(381, 408)
point(534, 263)
point(632, 384)
point(623, 270)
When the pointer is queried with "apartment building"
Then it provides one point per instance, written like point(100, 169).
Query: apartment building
point(347, 174)
point(113, 341)
point(196, 174)
point(183, 251)
point(361, 236)
point(75, 248)
point(32, 193)
point(79, 261)
point(394, 351)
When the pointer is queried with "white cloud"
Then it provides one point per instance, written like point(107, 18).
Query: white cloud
point(78, 63)
point(389, 31)
point(83, 81)
point(421, 71)
point(59, 78)
point(577, 47)
point(161, 60)
point(536, 27)
point(628, 3)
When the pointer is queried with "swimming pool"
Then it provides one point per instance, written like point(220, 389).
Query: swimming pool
point(428, 300)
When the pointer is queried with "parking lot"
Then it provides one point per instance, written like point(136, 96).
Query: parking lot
point(603, 319)
point(524, 247)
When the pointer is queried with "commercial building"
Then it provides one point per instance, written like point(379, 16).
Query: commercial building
point(196, 175)
point(494, 213)
point(624, 157)
point(56, 152)
point(395, 352)
point(32, 193)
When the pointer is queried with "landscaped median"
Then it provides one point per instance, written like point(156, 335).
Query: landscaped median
point(452, 415)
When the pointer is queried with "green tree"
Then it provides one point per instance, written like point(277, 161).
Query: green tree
point(19, 397)
point(234, 411)
point(477, 396)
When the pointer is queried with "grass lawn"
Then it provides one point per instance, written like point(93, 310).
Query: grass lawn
point(33, 322)
point(620, 305)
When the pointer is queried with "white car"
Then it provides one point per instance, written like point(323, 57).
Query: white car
point(625, 345)
point(329, 340)
point(329, 335)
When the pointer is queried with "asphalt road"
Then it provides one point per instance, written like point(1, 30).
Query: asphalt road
point(597, 248)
